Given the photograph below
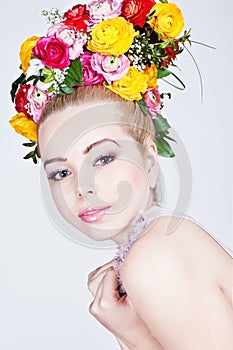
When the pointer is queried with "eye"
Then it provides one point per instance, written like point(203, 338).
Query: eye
point(104, 159)
point(59, 175)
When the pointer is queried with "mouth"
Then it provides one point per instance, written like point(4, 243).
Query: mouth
point(89, 215)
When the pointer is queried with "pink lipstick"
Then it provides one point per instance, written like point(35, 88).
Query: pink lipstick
point(89, 215)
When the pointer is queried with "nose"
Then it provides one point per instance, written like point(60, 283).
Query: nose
point(84, 191)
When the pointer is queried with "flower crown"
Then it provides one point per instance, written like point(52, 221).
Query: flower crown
point(125, 45)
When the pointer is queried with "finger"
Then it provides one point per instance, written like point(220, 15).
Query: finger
point(107, 289)
point(94, 282)
point(100, 269)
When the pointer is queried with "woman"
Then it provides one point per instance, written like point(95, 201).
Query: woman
point(100, 157)
point(178, 280)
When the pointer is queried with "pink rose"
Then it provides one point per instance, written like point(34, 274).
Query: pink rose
point(63, 32)
point(111, 67)
point(153, 101)
point(75, 40)
point(90, 76)
point(53, 52)
point(103, 10)
point(38, 99)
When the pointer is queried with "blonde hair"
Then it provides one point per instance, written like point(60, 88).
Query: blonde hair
point(135, 123)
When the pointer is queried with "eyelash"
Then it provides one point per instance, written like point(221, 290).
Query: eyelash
point(101, 156)
point(53, 175)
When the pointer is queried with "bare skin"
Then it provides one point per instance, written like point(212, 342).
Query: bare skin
point(178, 285)
point(111, 310)
point(192, 291)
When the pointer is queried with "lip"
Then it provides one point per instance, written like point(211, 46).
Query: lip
point(92, 214)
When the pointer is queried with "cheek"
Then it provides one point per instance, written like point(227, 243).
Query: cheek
point(64, 198)
point(121, 177)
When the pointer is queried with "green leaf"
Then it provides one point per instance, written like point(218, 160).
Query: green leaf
point(32, 77)
point(66, 90)
point(74, 75)
point(15, 84)
point(29, 155)
point(51, 89)
point(170, 138)
point(37, 151)
point(28, 144)
point(47, 70)
point(142, 105)
point(34, 155)
point(165, 44)
point(161, 124)
point(48, 79)
point(182, 87)
point(164, 149)
point(162, 73)
point(159, 52)
point(34, 159)
point(159, 36)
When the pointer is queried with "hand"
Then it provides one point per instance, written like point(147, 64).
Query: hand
point(116, 313)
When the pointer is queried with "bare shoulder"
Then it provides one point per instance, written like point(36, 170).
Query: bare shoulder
point(173, 279)
point(173, 244)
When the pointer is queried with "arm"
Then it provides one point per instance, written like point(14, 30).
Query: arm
point(148, 343)
point(180, 304)
point(122, 345)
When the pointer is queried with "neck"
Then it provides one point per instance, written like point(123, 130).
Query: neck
point(123, 237)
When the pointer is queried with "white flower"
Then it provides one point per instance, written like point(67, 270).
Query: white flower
point(43, 86)
point(35, 67)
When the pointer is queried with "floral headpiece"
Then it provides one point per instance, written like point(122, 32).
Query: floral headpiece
point(125, 45)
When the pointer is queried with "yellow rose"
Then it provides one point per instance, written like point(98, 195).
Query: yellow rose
point(112, 37)
point(24, 126)
point(167, 20)
point(131, 86)
point(26, 51)
point(151, 73)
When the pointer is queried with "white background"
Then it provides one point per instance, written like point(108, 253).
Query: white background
point(43, 296)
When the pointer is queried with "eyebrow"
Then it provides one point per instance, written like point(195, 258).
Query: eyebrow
point(94, 144)
point(53, 160)
point(86, 150)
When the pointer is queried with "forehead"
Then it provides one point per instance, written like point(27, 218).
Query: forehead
point(79, 124)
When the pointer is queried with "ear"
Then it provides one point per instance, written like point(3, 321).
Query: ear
point(151, 164)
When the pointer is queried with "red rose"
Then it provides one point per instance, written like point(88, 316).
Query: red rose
point(170, 52)
point(53, 52)
point(77, 18)
point(135, 11)
point(21, 100)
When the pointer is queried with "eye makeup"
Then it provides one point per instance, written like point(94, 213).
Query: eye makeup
point(63, 173)
point(104, 159)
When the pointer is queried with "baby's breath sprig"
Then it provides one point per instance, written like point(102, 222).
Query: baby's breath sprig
point(141, 52)
point(52, 16)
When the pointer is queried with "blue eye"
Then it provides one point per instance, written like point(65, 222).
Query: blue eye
point(59, 175)
point(104, 159)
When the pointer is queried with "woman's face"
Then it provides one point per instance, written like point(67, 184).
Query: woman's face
point(99, 176)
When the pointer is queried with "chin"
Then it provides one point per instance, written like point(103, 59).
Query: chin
point(100, 234)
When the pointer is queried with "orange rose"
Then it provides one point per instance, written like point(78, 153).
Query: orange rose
point(24, 126)
point(167, 20)
point(131, 86)
point(26, 52)
point(151, 73)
